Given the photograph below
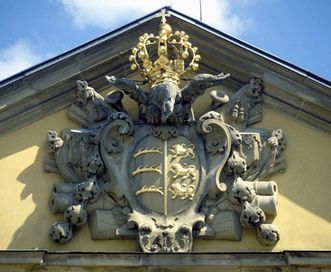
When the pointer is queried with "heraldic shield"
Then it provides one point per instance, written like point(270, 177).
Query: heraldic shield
point(165, 176)
point(164, 169)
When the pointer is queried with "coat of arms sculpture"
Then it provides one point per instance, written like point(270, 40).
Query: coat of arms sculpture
point(166, 177)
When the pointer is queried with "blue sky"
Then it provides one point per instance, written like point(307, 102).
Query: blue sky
point(298, 31)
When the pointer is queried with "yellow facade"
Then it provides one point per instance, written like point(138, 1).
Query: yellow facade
point(304, 192)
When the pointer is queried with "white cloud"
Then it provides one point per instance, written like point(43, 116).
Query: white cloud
point(109, 14)
point(106, 13)
point(17, 57)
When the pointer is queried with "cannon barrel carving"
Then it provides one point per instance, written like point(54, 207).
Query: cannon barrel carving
point(268, 204)
point(59, 202)
point(64, 188)
point(265, 187)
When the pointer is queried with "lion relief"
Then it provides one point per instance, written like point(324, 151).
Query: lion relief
point(182, 190)
point(182, 150)
point(183, 171)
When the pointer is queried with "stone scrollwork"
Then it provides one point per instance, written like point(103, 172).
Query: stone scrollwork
point(114, 133)
point(166, 178)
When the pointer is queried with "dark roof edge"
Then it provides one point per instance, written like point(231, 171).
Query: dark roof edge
point(219, 33)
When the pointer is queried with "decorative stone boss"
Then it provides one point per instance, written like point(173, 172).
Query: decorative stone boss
point(166, 177)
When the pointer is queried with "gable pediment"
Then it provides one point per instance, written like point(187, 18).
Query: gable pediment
point(106, 167)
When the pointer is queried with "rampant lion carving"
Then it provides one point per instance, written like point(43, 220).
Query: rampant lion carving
point(182, 190)
point(183, 171)
point(182, 150)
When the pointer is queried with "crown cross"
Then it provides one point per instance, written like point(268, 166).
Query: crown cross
point(163, 15)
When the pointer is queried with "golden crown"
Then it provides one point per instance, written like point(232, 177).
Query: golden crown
point(165, 57)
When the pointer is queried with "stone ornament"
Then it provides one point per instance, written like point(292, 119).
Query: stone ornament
point(166, 178)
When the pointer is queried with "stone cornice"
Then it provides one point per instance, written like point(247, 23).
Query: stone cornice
point(259, 260)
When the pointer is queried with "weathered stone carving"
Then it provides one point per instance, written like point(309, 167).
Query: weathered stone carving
point(166, 178)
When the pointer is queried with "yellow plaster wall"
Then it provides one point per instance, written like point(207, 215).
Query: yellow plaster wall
point(304, 200)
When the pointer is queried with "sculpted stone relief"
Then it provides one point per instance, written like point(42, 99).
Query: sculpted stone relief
point(166, 178)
